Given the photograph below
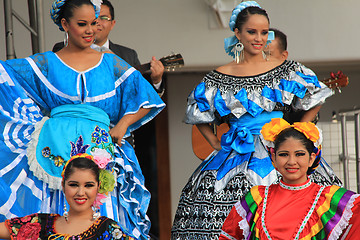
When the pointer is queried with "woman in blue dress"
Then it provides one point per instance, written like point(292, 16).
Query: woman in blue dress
point(56, 105)
point(245, 94)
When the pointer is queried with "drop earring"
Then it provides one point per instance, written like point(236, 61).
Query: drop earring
point(96, 213)
point(265, 56)
point(66, 39)
point(239, 53)
point(66, 214)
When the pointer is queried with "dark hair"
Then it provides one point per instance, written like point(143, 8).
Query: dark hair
point(244, 15)
point(282, 38)
point(308, 144)
point(81, 163)
point(67, 10)
point(291, 132)
point(111, 8)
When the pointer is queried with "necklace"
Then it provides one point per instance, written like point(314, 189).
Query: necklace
point(294, 188)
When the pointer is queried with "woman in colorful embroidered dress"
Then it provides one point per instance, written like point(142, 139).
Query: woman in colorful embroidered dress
point(295, 208)
point(82, 183)
point(58, 105)
point(245, 94)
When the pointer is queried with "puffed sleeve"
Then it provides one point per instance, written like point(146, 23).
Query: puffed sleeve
point(315, 92)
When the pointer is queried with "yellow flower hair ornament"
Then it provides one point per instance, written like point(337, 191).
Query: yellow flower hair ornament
point(79, 155)
point(272, 129)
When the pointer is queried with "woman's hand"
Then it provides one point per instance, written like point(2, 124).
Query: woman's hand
point(117, 133)
point(310, 115)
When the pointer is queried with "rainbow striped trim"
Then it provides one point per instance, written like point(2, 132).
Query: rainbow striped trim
point(333, 212)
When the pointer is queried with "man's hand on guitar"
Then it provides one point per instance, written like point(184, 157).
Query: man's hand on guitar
point(157, 70)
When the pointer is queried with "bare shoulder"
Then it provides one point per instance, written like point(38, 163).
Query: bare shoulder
point(228, 68)
point(273, 63)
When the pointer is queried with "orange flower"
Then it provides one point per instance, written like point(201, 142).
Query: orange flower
point(273, 128)
point(308, 129)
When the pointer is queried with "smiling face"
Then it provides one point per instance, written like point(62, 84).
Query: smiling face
point(253, 34)
point(292, 160)
point(81, 188)
point(81, 27)
point(105, 24)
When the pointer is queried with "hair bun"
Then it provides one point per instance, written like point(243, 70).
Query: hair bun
point(54, 12)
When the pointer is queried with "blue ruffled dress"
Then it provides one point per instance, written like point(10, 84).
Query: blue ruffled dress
point(49, 112)
point(245, 104)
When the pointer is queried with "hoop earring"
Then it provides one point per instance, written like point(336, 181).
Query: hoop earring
point(239, 53)
point(66, 214)
point(66, 39)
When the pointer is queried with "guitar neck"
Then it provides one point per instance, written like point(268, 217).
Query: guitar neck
point(143, 67)
point(170, 63)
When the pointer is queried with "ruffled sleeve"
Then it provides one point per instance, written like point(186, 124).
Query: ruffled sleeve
point(310, 91)
point(340, 216)
point(243, 216)
point(219, 95)
point(136, 92)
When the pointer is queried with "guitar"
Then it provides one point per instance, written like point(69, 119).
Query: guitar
point(170, 62)
point(336, 80)
point(202, 148)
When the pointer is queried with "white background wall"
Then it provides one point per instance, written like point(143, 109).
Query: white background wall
point(318, 30)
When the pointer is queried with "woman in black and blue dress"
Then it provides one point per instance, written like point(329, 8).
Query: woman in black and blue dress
point(245, 94)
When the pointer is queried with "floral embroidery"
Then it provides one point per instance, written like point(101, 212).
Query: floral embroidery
point(99, 136)
point(27, 227)
point(46, 152)
point(58, 160)
point(78, 147)
point(41, 226)
point(117, 233)
point(29, 231)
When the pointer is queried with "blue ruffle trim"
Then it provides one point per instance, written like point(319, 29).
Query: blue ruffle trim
point(206, 98)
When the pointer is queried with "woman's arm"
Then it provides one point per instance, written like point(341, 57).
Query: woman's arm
point(208, 134)
point(4, 232)
point(118, 132)
point(310, 115)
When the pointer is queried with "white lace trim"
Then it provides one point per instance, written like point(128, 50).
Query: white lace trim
point(227, 235)
point(35, 167)
point(243, 224)
point(344, 220)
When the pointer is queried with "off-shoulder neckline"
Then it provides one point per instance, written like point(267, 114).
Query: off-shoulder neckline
point(252, 76)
